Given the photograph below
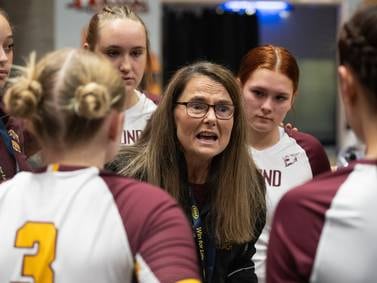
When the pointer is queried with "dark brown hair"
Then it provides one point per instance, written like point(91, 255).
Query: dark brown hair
point(357, 46)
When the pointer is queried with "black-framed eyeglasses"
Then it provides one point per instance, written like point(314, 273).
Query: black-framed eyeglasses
point(197, 109)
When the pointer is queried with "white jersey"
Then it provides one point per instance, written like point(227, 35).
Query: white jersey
point(83, 225)
point(136, 118)
point(295, 159)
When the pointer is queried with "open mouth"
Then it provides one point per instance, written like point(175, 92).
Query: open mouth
point(207, 136)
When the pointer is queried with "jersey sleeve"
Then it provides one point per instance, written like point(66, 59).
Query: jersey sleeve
point(296, 229)
point(317, 156)
point(158, 233)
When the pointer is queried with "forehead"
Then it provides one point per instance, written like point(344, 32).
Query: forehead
point(273, 81)
point(5, 29)
point(121, 32)
point(202, 87)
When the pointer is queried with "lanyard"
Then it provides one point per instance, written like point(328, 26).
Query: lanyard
point(205, 246)
point(7, 141)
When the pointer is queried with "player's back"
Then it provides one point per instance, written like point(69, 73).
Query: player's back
point(72, 226)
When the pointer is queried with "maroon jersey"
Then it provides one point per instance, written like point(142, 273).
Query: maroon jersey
point(324, 230)
point(12, 157)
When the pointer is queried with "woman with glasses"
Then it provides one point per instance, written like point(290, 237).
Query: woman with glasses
point(195, 147)
point(269, 79)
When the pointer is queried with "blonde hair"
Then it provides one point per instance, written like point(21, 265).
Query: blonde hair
point(236, 187)
point(110, 13)
point(65, 95)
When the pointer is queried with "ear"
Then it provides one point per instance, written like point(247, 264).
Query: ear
point(116, 126)
point(347, 84)
point(239, 82)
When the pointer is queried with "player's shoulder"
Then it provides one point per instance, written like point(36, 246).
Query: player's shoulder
point(304, 139)
point(320, 190)
point(125, 188)
point(148, 103)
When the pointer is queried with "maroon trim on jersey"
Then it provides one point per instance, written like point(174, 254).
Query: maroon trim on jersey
point(8, 166)
point(156, 228)
point(317, 156)
point(297, 227)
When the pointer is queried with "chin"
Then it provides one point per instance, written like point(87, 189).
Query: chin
point(209, 154)
point(262, 128)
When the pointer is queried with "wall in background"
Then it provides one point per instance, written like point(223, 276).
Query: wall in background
point(33, 24)
point(69, 23)
point(309, 33)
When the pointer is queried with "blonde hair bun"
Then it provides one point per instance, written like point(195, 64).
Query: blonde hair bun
point(92, 101)
point(21, 100)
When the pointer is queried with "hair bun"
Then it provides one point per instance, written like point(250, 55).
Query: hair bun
point(92, 101)
point(21, 99)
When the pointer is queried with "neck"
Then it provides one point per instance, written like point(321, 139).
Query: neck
point(86, 156)
point(263, 140)
point(131, 100)
point(370, 137)
point(197, 171)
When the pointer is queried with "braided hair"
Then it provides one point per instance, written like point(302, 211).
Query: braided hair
point(357, 47)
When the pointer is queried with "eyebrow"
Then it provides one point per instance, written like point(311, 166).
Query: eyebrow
point(112, 46)
point(202, 99)
point(266, 90)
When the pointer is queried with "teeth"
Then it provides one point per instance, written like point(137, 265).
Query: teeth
point(207, 134)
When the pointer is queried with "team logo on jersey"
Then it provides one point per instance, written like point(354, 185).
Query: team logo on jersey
point(3, 177)
point(290, 159)
point(15, 140)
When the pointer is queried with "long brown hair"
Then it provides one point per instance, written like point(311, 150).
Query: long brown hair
point(237, 189)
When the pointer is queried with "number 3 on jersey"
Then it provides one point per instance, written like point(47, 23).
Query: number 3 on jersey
point(38, 265)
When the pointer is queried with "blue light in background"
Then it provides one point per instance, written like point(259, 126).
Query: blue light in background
point(261, 7)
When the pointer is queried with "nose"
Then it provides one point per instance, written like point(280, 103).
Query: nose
point(267, 105)
point(3, 55)
point(125, 65)
point(210, 117)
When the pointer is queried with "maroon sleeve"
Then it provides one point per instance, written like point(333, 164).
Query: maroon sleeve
point(318, 160)
point(297, 227)
point(8, 166)
point(156, 229)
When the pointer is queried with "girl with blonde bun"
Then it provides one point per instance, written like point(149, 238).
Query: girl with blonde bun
point(71, 221)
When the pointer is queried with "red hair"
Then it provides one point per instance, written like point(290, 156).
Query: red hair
point(270, 57)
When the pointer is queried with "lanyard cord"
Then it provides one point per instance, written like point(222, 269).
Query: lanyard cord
point(205, 246)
